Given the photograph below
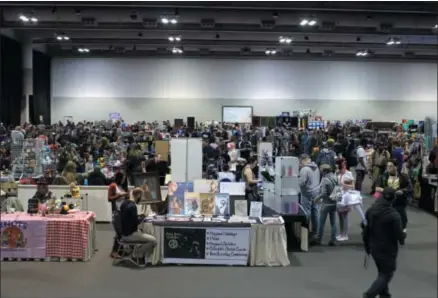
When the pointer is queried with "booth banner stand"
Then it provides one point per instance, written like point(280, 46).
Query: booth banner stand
point(206, 245)
point(182, 150)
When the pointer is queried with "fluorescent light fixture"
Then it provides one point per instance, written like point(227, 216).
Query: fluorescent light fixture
point(273, 52)
point(171, 38)
point(59, 37)
point(66, 38)
point(304, 22)
point(284, 39)
point(174, 38)
point(86, 50)
point(362, 53)
point(165, 20)
point(173, 21)
point(267, 52)
point(24, 18)
point(177, 38)
point(177, 51)
point(80, 50)
point(83, 50)
point(393, 41)
point(33, 19)
point(312, 23)
point(436, 26)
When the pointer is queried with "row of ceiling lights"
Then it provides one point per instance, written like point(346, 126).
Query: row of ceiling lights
point(27, 19)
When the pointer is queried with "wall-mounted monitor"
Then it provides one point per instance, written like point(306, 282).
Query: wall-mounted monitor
point(237, 114)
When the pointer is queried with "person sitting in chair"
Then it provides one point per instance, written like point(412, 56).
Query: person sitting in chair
point(226, 175)
point(130, 221)
point(43, 194)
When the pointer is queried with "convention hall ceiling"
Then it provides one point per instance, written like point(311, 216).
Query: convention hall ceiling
point(270, 29)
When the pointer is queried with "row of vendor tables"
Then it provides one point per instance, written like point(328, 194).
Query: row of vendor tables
point(213, 241)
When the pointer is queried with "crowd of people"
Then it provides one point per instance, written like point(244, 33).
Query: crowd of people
point(333, 166)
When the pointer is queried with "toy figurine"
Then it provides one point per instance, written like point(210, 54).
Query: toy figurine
point(75, 190)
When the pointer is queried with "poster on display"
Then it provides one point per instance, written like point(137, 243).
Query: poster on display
point(215, 246)
point(23, 239)
point(232, 188)
point(192, 203)
point(207, 203)
point(221, 204)
point(205, 186)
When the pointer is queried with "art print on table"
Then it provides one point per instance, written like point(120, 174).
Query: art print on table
point(207, 203)
point(176, 205)
point(240, 208)
point(221, 204)
point(179, 188)
point(150, 183)
point(192, 203)
point(205, 186)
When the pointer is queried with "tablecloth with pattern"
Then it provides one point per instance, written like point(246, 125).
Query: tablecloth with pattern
point(69, 236)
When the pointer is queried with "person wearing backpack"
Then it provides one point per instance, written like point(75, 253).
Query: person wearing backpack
point(327, 155)
point(328, 206)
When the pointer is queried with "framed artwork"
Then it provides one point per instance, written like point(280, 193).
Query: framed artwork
point(150, 183)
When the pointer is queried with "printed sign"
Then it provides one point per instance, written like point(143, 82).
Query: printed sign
point(114, 116)
point(215, 246)
point(255, 209)
point(23, 239)
point(227, 245)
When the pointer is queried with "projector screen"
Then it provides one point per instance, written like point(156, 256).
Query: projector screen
point(239, 114)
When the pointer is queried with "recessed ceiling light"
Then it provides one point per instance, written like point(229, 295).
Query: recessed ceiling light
point(33, 19)
point(173, 21)
point(24, 18)
point(66, 38)
point(312, 23)
point(165, 20)
point(304, 22)
point(59, 37)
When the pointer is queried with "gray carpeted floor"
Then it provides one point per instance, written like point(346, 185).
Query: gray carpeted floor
point(324, 272)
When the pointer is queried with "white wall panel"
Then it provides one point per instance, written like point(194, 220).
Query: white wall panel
point(172, 88)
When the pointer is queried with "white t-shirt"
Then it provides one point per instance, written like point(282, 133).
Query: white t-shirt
point(360, 152)
point(341, 177)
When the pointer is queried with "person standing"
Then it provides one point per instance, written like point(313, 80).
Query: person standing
point(382, 235)
point(309, 186)
point(361, 168)
point(379, 159)
point(328, 206)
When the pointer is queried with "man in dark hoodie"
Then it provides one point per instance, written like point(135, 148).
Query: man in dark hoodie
point(309, 187)
point(381, 237)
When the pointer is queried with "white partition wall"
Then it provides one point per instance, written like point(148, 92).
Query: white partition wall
point(186, 159)
point(162, 89)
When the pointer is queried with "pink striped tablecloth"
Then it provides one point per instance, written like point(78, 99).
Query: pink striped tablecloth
point(66, 235)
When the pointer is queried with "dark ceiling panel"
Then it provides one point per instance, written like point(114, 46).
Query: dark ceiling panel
point(342, 29)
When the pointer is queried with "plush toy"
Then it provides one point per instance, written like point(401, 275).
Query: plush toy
point(75, 190)
point(101, 162)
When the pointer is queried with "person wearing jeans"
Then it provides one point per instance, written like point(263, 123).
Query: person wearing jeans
point(361, 168)
point(309, 186)
point(328, 206)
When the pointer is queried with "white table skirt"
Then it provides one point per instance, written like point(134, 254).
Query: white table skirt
point(268, 244)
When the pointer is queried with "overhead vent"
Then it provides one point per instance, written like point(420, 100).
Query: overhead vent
point(267, 24)
point(120, 50)
point(204, 51)
point(88, 21)
point(328, 26)
point(245, 51)
point(288, 52)
point(150, 23)
point(386, 27)
point(208, 23)
point(328, 53)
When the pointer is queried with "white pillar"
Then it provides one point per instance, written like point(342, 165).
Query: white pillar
point(27, 60)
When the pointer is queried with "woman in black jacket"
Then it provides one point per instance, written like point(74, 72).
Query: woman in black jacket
point(403, 187)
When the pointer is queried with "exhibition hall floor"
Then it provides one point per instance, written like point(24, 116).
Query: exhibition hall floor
point(321, 272)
